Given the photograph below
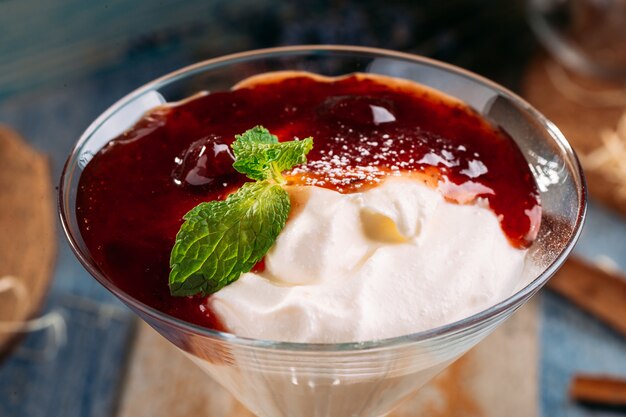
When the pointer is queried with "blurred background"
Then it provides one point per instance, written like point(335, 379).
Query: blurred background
point(68, 348)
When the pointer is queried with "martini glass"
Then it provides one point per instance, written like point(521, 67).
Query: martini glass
point(370, 378)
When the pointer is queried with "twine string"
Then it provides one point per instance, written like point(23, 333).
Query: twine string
point(581, 95)
point(53, 322)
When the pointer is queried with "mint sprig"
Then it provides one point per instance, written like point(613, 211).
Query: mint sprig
point(260, 156)
point(220, 240)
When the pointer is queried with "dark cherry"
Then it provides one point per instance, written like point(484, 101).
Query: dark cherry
point(203, 161)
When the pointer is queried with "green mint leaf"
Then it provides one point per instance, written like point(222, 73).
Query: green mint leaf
point(260, 156)
point(219, 240)
point(257, 134)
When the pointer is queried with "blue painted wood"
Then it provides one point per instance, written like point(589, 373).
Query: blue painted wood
point(58, 40)
point(83, 377)
point(44, 41)
point(604, 235)
point(571, 340)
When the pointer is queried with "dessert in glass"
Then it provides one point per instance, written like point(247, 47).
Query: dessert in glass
point(432, 205)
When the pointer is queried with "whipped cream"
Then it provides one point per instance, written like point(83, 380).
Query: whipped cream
point(390, 261)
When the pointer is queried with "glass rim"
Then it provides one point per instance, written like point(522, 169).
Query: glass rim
point(481, 317)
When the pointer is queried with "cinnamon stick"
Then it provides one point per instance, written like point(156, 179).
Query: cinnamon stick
point(599, 389)
point(594, 290)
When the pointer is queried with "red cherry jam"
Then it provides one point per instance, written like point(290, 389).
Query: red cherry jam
point(134, 192)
